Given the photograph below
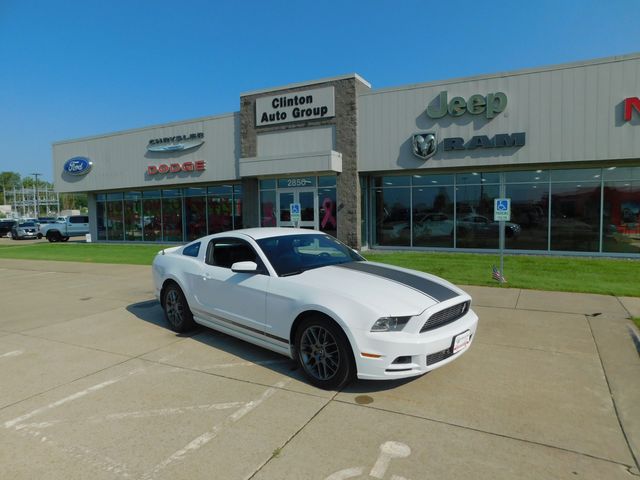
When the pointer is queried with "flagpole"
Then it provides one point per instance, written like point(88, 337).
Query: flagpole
point(503, 194)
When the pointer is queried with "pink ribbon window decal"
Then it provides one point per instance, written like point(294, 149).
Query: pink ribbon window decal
point(328, 218)
point(269, 218)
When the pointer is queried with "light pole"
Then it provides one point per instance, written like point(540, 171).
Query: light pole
point(36, 175)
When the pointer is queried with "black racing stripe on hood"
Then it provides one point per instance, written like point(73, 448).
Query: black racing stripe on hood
point(429, 287)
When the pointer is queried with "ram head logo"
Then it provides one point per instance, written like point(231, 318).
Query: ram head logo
point(424, 145)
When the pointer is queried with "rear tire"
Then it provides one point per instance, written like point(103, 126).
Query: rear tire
point(324, 353)
point(54, 236)
point(176, 309)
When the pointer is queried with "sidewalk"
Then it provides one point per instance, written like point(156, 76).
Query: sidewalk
point(96, 386)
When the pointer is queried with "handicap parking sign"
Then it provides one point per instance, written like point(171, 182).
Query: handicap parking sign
point(294, 209)
point(502, 209)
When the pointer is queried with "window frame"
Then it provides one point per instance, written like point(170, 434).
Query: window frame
point(208, 258)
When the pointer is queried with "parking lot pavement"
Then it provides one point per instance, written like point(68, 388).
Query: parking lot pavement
point(93, 385)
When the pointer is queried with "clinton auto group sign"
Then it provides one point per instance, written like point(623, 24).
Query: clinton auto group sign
point(295, 106)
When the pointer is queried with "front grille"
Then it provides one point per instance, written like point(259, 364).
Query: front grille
point(445, 316)
point(439, 356)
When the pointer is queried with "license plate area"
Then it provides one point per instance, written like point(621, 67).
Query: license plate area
point(461, 341)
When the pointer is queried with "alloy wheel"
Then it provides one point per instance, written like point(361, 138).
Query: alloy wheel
point(319, 353)
point(174, 307)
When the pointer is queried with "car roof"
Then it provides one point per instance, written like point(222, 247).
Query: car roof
point(262, 232)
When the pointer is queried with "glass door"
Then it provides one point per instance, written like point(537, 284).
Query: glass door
point(308, 201)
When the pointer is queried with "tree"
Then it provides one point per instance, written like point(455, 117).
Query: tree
point(8, 180)
point(73, 201)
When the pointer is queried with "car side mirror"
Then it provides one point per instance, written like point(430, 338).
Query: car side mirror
point(244, 267)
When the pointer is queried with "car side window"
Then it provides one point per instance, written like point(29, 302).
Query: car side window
point(192, 250)
point(224, 252)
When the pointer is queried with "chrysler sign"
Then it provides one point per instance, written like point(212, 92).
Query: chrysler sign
point(295, 106)
point(176, 142)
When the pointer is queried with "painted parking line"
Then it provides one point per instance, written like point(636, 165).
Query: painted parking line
point(84, 454)
point(160, 412)
point(200, 441)
point(14, 353)
point(16, 422)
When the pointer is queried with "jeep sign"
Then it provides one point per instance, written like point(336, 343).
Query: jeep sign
point(491, 105)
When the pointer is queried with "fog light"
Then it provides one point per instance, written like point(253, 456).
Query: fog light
point(402, 360)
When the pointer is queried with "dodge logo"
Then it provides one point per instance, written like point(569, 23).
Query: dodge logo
point(424, 145)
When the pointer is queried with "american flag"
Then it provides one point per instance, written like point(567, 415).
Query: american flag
point(496, 275)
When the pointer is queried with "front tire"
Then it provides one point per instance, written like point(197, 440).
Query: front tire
point(324, 353)
point(176, 309)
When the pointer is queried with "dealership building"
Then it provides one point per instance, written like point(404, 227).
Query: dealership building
point(415, 167)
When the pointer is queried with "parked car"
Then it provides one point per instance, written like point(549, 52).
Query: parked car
point(432, 225)
point(306, 295)
point(60, 231)
point(481, 226)
point(22, 230)
point(6, 226)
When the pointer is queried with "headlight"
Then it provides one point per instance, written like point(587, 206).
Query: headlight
point(390, 324)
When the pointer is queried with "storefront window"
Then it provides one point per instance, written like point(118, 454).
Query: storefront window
point(475, 227)
point(529, 225)
point(268, 208)
point(220, 208)
point(433, 216)
point(392, 209)
point(115, 224)
point(171, 216)
point(364, 210)
point(327, 206)
point(431, 180)
point(101, 214)
point(195, 211)
point(527, 176)
point(237, 206)
point(327, 181)
point(621, 216)
point(392, 181)
point(575, 216)
point(477, 178)
point(151, 216)
point(132, 216)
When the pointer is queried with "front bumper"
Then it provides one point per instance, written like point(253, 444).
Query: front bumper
point(425, 351)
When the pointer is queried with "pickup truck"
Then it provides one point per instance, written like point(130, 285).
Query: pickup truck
point(61, 230)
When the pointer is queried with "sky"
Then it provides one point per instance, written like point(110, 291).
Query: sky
point(70, 69)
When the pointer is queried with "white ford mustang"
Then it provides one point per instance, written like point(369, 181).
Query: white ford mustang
point(305, 295)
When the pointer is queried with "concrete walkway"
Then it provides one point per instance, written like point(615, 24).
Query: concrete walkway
point(93, 385)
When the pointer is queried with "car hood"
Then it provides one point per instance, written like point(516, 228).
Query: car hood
point(397, 291)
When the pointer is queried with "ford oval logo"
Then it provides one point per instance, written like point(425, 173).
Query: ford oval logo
point(77, 166)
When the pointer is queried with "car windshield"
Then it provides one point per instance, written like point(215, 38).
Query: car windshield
point(293, 254)
point(27, 224)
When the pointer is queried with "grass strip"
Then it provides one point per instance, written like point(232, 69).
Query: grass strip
point(606, 276)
